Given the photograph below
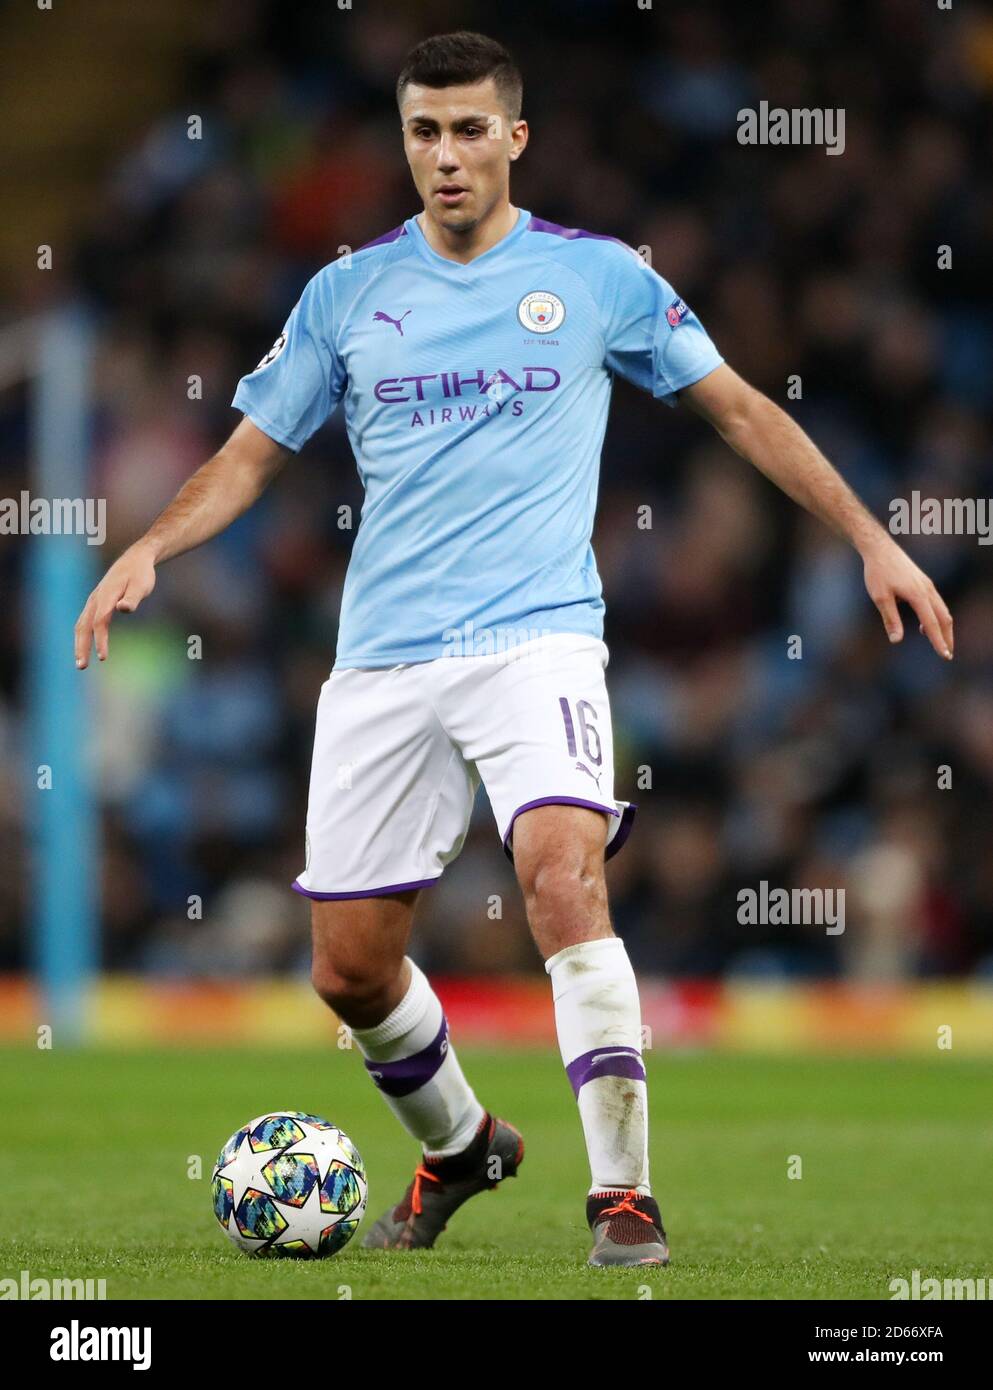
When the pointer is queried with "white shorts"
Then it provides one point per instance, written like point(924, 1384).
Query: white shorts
point(399, 753)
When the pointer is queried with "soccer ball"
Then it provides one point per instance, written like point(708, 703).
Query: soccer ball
point(289, 1183)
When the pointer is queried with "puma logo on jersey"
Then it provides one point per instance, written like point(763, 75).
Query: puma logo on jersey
point(581, 767)
point(397, 323)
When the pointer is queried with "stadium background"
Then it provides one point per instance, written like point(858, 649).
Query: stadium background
point(188, 254)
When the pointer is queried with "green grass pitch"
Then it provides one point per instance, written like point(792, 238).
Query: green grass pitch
point(896, 1161)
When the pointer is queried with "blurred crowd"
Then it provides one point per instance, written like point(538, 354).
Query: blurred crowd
point(752, 757)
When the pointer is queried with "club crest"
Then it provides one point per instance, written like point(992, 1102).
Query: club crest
point(541, 312)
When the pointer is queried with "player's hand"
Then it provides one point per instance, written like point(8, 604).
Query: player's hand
point(129, 580)
point(890, 574)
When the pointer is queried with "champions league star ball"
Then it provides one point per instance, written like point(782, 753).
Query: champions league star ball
point(289, 1183)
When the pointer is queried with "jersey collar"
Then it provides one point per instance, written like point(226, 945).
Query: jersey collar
point(456, 267)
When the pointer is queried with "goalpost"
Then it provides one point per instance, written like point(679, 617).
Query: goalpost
point(54, 353)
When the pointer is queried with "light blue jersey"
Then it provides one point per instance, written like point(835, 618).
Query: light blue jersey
point(476, 401)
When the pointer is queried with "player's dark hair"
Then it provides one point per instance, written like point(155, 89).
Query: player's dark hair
point(454, 60)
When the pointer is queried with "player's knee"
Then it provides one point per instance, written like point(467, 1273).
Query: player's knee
point(564, 883)
point(347, 989)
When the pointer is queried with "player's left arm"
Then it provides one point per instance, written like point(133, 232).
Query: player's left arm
point(758, 430)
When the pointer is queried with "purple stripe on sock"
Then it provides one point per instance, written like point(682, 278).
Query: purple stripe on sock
point(605, 1061)
point(411, 1073)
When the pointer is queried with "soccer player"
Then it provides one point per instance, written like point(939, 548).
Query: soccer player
point(473, 348)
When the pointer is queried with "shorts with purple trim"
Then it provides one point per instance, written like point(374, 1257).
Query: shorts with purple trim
point(400, 751)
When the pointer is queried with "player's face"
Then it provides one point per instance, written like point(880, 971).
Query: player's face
point(460, 143)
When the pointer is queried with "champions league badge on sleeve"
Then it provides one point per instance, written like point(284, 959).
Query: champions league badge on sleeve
point(541, 312)
point(676, 312)
point(273, 352)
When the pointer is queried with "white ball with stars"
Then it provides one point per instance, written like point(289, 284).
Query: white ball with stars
point(289, 1183)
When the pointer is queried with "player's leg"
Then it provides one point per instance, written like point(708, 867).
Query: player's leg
point(537, 724)
point(361, 971)
point(390, 800)
point(559, 860)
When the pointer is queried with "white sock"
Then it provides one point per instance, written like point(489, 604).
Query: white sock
point(409, 1058)
point(598, 1020)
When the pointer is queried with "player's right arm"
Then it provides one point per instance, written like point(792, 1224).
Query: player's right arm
point(284, 400)
point(217, 494)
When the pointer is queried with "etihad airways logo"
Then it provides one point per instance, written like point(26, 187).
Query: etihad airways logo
point(457, 384)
